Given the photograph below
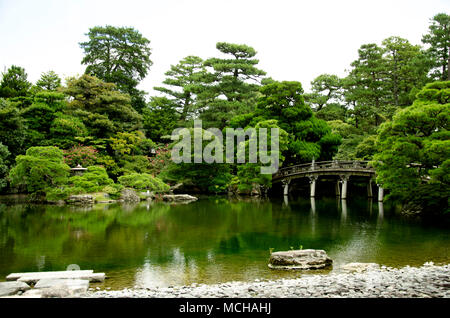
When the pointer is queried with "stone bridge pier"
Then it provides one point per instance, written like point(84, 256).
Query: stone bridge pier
point(344, 180)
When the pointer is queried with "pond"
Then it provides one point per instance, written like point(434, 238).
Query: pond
point(212, 240)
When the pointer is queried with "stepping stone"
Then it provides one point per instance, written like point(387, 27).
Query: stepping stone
point(12, 288)
point(16, 276)
point(33, 278)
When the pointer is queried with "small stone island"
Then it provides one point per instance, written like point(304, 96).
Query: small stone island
point(300, 260)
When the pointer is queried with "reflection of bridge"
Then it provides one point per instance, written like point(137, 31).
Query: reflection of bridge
point(343, 170)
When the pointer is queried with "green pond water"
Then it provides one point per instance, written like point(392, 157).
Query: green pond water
point(213, 240)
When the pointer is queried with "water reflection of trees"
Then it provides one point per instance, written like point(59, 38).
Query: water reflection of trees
point(214, 230)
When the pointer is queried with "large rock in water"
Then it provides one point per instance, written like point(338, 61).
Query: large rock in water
point(300, 259)
point(129, 195)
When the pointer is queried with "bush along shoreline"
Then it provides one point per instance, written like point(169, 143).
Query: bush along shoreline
point(389, 107)
point(43, 174)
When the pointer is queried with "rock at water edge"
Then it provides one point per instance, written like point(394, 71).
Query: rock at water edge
point(129, 195)
point(178, 197)
point(300, 259)
point(80, 199)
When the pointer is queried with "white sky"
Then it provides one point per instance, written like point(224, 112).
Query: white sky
point(295, 40)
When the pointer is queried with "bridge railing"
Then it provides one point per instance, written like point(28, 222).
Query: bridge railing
point(323, 166)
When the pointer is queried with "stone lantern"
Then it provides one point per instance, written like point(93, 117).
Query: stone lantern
point(78, 170)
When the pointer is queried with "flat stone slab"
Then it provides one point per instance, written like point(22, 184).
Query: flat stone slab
point(33, 278)
point(12, 288)
point(16, 276)
point(300, 260)
point(359, 267)
point(178, 197)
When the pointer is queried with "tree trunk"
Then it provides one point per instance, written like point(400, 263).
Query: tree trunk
point(395, 82)
point(377, 106)
point(186, 105)
point(448, 65)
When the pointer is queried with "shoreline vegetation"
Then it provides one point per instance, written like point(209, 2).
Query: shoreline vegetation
point(102, 145)
point(392, 109)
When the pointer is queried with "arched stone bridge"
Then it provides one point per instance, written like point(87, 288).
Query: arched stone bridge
point(341, 169)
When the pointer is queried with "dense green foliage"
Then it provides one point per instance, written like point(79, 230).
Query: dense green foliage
point(233, 85)
point(14, 82)
point(102, 108)
point(201, 177)
point(49, 81)
point(160, 118)
point(438, 37)
point(4, 167)
point(249, 174)
point(102, 121)
point(93, 180)
point(415, 148)
point(40, 169)
point(309, 137)
point(12, 128)
point(143, 181)
point(184, 83)
point(118, 55)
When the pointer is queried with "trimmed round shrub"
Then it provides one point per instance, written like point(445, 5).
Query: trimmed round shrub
point(56, 194)
point(93, 180)
point(113, 190)
point(143, 181)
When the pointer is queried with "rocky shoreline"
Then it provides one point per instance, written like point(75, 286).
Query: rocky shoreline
point(374, 282)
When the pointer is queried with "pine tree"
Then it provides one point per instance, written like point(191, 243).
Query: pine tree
point(438, 38)
point(119, 55)
point(184, 82)
point(14, 82)
point(49, 81)
point(235, 85)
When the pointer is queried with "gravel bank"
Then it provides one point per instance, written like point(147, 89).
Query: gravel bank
point(426, 281)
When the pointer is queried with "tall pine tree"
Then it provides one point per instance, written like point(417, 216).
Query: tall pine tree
point(438, 38)
point(235, 86)
point(183, 83)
